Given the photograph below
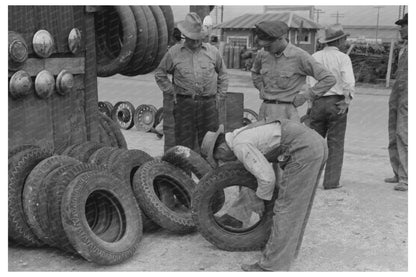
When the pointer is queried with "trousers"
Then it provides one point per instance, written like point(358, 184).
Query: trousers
point(193, 119)
point(308, 154)
point(325, 120)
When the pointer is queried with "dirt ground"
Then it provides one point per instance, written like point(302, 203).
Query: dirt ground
point(362, 226)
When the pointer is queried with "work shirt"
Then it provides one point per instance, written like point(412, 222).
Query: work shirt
point(249, 146)
point(401, 83)
point(281, 77)
point(201, 73)
point(340, 66)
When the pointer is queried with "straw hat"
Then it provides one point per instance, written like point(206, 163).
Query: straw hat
point(333, 32)
point(208, 144)
point(191, 27)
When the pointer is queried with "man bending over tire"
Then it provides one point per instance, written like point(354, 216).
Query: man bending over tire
point(302, 154)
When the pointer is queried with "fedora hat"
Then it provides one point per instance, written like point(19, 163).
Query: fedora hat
point(208, 144)
point(402, 21)
point(191, 27)
point(333, 32)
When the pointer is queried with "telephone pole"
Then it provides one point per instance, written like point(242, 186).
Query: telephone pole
point(337, 15)
point(318, 11)
point(378, 20)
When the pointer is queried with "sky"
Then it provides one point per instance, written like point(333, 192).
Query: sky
point(348, 15)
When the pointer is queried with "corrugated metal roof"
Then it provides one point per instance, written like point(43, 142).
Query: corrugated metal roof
point(247, 21)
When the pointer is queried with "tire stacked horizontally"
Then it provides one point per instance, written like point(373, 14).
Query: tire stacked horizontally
point(131, 40)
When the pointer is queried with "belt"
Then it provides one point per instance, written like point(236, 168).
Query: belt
point(195, 97)
point(267, 101)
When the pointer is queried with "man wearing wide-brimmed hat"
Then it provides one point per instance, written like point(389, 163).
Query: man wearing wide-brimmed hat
point(279, 72)
point(328, 114)
point(296, 148)
point(398, 116)
point(199, 81)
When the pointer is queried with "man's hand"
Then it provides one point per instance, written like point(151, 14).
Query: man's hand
point(299, 100)
point(258, 205)
point(342, 106)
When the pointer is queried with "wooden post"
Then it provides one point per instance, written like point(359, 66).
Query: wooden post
point(350, 49)
point(388, 74)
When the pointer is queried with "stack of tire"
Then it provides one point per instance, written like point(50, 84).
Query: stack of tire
point(61, 200)
point(131, 40)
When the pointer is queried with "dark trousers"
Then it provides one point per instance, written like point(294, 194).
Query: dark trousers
point(193, 119)
point(328, 123)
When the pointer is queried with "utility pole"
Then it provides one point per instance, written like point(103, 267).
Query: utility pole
point(222, 14)
point(378, 20)
point(337, 15)
point(318, 11)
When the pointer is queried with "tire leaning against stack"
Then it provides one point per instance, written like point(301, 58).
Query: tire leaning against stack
point(83, 151)
point(20, 166)
point(108, 66)
point(127, 163)
point(170, 23)
point(146, 181)
point(120, 240)
point(113, 132)
point(34, 192)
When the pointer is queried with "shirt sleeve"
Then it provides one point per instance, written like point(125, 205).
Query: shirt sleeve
point(222, 82)
point(325, 80)
point(161, 73)
point(255, 162)
point(255, 73)
point(348, 78)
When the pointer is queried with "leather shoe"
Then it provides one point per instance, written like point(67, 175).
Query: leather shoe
point(401, 186)
point(230, 221)
point(393, 179)
point(337, 187)
point(252, 267)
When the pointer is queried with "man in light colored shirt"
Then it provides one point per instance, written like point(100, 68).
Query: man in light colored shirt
point(199, 80)
point(279, 72)
point(328, 114)
point(259, 144)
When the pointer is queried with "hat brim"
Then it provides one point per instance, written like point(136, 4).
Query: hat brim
point(190, 35)
point(333, 39)
point(401, 22)
point(210, 152)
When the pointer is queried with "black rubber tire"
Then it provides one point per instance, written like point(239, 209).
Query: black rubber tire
point(113, 131)
point(20, 166)
point(34, 192)
point(44, 218)
point(158, 117)
point(153, 173)
point(162, 39)
point(141, 43)
point(120, 240)
point(107, 66)
point(152, 37)
point(107, 136)
point(152, 49)
point(187, 160)
point(103, 108)
point(103, 136)
point(111, 157)
point(149, 226)
point(170, 22)
point(68, 149)
point(98, 156)
point(230, 174)
point(123, 114)
point(127, 163)
point(13, 151)
point(55, 191)
point(83, 151)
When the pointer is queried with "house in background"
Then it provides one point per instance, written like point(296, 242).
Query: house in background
point(240, 30)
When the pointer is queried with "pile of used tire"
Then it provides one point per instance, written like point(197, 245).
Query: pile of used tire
point(96, 200)
point(144, 118)
point(131, 40)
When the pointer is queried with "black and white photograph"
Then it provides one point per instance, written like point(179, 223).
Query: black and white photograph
point(184, 137)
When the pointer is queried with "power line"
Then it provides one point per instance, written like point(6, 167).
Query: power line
point(337, 15)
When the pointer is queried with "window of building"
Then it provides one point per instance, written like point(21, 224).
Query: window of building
point(237, 41)
point(303, 38)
